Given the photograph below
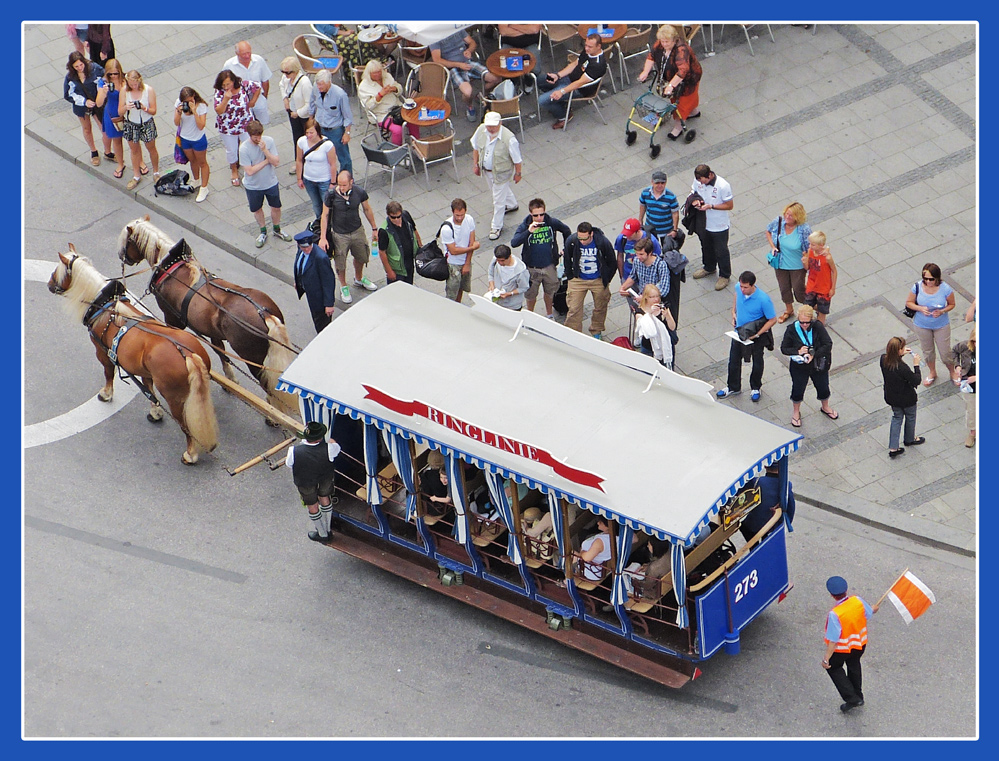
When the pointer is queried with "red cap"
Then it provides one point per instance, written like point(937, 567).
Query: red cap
point(631, 226)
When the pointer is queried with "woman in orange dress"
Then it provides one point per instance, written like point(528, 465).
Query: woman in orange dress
point(679, 75)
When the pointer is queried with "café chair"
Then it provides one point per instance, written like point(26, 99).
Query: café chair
point(575, 98)
point(573, 57)
point(430, 79)
point(432, 149)
point(541, 36)
point(558, 34)
point(745, 29)
point(310, 54)
point(387, 156)
point(635, 43)
point(413, 55)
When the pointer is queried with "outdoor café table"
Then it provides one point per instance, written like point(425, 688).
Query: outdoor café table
point(411, 115)
point(619, 31)
point(493, 63)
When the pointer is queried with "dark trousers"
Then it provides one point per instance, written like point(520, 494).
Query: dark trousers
point(800, 375)
point(714, 253)
point(297, 131)
point(735, 366)
point(848, 682)
point(320, 319)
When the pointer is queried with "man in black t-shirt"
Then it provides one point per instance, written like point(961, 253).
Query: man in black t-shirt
point(588, 68)
point(342, 209)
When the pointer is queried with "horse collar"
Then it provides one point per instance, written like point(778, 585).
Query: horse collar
point(178, 255)
point(112, 292)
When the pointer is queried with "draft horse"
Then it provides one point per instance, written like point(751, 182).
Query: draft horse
point(161, 359)
point(190, 296)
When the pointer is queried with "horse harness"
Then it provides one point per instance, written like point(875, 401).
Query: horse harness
point(106, 302)
point(165, 270)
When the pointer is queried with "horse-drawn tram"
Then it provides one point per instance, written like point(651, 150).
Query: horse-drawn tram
point(565, 484)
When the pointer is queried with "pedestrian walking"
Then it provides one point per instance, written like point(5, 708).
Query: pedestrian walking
point(313, 472)
point(788, 239)
point(258, 156)
point(752, 316)
point(314, 279)
point(590, 265)
point(809, 347)
point(900, 394)
point(496, 154)
point(341, 225)
point(398, 242)
point(846, 642)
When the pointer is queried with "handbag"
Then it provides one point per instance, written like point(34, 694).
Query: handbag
point(773, 258)
point(179, 157)
point(430, 261)
point(910, 313)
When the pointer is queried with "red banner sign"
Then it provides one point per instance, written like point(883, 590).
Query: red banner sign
point(474, 432)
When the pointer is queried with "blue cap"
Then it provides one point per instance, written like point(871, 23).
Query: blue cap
point(836, 585)
point(306, 236)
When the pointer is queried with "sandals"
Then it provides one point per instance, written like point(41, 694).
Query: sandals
point(118, 173)
point(235, 182)
point(796, 422)
point(784, 317)
point(143, 170)
point(109, 156)
point(930, 381)
point(831, 415)
point(95, 158)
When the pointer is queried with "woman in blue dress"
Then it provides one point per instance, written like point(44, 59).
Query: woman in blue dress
point(113, 79)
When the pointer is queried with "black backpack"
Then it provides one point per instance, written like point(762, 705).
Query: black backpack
point(174, 183)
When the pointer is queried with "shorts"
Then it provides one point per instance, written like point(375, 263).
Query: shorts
point(460, 76)
point(355, 243)
point(545, 277)
point(231, 143)
point(200, 144)
point(817, 300)
point(456, 281)
point(256, 198)
point(311, 494)
point(136, 133)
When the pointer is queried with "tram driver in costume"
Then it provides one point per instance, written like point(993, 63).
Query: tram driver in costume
point(313, 471)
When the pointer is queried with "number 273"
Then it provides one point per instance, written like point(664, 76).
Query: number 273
point(743, 587)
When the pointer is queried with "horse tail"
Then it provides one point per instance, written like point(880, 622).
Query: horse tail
point(199, 411)
point(279, 356)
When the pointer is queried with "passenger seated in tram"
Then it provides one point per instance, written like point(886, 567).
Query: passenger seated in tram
point(595, 551)
point(758, 517)
point(649, 561)
point(539, 535)
point(434, 485)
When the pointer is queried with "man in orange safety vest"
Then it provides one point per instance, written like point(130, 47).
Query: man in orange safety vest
point(846, 641)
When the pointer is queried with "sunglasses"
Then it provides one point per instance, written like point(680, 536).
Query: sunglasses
point(395, 216)
point(287, 73)
point(929, 280)
point(539, 214)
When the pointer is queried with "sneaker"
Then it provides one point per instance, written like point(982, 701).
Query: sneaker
point(725, 393)
point(702, 273)
point(551, 316)
point(202, 194)
point(722, 284)
point(283, 236)
point(755, 396)
point(494, 234)
point(970, 441)
point(345, 295)
point(511, 209)
point(132, 184)
point(293, 170)
point(598, 336)
point(470, 114)
point(261, 239)
point(365, 284)
point(529, 87)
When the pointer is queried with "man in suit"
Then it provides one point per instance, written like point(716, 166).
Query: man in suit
point(314, 278)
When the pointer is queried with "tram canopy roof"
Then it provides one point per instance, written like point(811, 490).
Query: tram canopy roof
point(607, 428)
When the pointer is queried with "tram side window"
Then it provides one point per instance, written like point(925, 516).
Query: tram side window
point(595, 551)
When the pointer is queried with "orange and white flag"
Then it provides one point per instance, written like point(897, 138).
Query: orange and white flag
point(911, 597)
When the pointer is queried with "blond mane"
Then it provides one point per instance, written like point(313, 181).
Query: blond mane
point(84, 286)
point(151, 241)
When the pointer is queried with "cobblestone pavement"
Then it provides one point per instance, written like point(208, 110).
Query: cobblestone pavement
point(871, 127)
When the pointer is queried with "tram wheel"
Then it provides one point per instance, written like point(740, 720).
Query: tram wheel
point(691, 134)
point(629, 137)
point(655, 150)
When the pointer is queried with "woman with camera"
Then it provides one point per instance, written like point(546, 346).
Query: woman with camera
point(190, 114)
point(86, 90)
point(137, 104)
point(809, 347)
point(112, 122)
point(900, 394)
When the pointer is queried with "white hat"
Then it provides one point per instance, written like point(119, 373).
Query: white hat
point(492, 119)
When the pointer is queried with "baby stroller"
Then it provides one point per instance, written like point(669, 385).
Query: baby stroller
point(649, 113)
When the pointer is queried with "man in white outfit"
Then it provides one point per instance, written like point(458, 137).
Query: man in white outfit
point(496, 153)
point(247, 65)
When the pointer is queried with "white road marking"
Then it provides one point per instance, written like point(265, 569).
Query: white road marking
point(88, 414)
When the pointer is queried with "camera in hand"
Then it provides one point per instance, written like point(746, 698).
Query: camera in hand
point(185, 107)
point(136, 105)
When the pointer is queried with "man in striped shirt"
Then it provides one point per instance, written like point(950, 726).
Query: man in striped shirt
point(661, 206)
